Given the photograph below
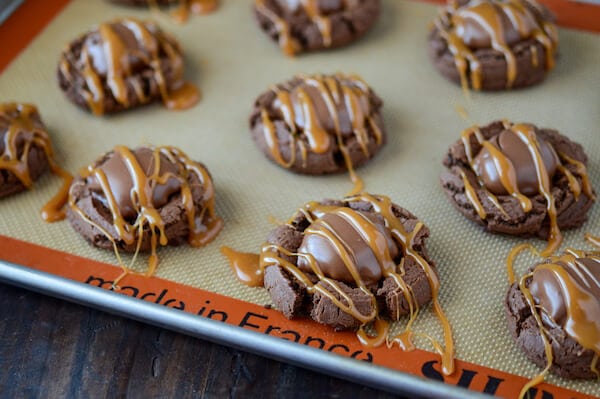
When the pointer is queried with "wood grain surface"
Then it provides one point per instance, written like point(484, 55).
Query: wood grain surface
point(54, 349)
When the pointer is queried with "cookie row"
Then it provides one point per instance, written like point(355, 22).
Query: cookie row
point(484, 45)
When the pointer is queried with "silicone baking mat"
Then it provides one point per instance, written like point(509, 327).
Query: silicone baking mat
point(232, 62)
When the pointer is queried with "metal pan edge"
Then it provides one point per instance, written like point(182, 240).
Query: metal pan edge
point(275, 348)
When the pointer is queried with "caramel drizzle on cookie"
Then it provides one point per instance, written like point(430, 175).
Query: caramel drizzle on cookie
point(17, 120)
point(121, 82)
point(203, 226)
point(578, 299)
point(334, 90)
point(288, 44)
point(489, 15)
point(507, 173)
point(251, 272)
point(311, 7)
point(184, 7)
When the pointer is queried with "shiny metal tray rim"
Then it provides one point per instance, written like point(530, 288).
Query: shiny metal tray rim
point(7, 8)
point(275, 348)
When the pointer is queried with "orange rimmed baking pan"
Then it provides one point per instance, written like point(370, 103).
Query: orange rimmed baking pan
point(194, 291)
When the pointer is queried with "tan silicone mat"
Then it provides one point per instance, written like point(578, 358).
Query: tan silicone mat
point(232, 62)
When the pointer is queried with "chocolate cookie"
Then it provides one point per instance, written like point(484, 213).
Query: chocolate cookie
point(25, 158)
point(26, 153)
point(319, 124)
point(182, 8)
point(491, 177)
point(494, 44)
point(139, 3)
point(132, 200)
point(555, 309)
point(310, 25)
point(345, 263)
point(123, 64)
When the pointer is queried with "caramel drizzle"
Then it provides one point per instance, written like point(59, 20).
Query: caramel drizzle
point(20, 125)
point(287, 43)
point(471, 194)
point(333, 93)
point(244, 266)
point(203, 227)
point(581, 171)
point(273, 255)
point(534, 56)
point(383, 205)
point(462, 112)
point(547, 346)
point(382, 330)
point(197, 7)
point(323, 23)
point(507, 173)
point(464, 59)
point(489, 16)
point(119, 74)
point(578, 326)
point(270, 256)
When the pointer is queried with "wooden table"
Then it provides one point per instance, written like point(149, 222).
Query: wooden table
point(50, 348)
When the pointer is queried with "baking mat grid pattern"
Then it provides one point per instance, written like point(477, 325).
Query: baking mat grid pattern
point(233, 62)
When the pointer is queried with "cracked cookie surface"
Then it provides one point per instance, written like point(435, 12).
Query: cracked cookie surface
point(309, 25)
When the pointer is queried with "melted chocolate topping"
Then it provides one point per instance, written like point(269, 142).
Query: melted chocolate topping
point(567, 292)
point(343, 235)
point(494, 24)
point(330, 104)
point(521, 160)
point(120, 178)
point(564, 291)
point(483, 24)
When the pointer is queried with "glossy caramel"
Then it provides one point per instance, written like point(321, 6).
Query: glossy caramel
point(318, 113)
point(169, 167)
point(507, 175)
point(289, 45)
point(23, 128)
point(495, 24)
point(198, 7)
point(124, 47)
point(565, 291)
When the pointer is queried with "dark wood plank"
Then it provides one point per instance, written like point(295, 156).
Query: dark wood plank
point(50, 348)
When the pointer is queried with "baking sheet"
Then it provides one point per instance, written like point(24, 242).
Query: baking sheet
point(232, 62)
